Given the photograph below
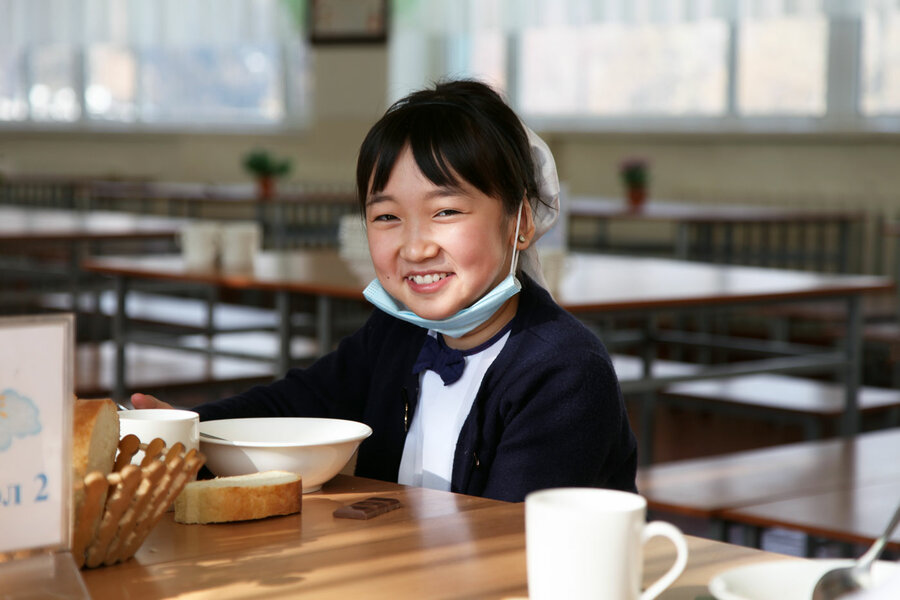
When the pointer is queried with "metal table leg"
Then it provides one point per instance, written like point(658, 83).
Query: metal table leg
point(323, 324)
point(853, 349)
point(118, 336)
point(283, 304)
point(648, 398)
point(212, 298)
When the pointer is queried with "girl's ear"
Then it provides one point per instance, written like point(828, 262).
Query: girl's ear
point(526, 227)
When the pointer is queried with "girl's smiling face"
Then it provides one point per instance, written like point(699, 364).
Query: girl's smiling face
point(439, 249)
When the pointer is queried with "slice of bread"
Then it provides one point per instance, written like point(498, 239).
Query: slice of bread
point(240, 498)
point(95, 440)
point(95, 437)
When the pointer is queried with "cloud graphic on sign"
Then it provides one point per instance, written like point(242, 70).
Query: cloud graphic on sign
point(18, 418)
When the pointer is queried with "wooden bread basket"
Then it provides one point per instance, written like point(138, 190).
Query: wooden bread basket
point(117, 512)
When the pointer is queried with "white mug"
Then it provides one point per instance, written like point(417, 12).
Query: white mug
point(238, 245)
point(170, 425)
point(200, 245)
point(588, 543)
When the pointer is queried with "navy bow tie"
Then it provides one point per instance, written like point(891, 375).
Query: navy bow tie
point(440, 358)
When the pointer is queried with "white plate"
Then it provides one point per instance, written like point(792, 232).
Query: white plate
point(783, 579)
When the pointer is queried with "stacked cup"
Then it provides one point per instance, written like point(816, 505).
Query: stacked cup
point(210, 245)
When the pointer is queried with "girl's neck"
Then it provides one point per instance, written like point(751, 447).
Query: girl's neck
point(488, 329)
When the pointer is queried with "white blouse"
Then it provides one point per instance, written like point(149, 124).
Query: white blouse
point(440, 413)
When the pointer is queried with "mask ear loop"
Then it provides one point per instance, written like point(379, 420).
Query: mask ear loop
point(515, 258)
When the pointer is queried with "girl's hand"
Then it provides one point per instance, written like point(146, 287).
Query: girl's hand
point(148, 401)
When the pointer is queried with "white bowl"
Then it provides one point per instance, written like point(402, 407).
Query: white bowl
point(317, 449)
point(792, 579)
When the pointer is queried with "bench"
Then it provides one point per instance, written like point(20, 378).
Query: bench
point(791, 399)
point(160, 371)
point(823, 322)
point(168, 311)
point(629, 368)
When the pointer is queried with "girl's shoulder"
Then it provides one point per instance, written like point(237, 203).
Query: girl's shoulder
point(543, 323)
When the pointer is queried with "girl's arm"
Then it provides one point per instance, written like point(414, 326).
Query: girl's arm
point(333, 386)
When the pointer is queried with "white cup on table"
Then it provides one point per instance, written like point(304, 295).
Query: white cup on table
point(239, 244)
point(200, 245)
point(588, 543)
point(170, 425)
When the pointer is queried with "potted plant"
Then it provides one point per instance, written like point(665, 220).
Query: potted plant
point(266, 168)
point(635, 177)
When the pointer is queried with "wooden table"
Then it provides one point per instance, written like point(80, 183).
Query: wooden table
point(790, 485)
point(321, 274)
point(739, 233)
point(49, 225)
point(584, 284)
point(75, 233)
point(855, 513)
point(592, 283)
point(437, 545)
point(294, 214)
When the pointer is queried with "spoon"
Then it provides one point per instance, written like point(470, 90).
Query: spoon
point(843, 580)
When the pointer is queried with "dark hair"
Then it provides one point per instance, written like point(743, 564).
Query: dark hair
point(460, 129)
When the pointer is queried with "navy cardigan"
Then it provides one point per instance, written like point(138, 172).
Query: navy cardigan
point(549, 411)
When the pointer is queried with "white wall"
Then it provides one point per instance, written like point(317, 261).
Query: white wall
point(812, 170)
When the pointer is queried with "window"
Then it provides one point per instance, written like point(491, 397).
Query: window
point(620, 69)
point(781, 65)
point(153, 63)
point(800, 65)
point(880, 85)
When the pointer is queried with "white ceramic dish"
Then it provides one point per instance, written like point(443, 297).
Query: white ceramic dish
point(317, 449)
point(783, 579)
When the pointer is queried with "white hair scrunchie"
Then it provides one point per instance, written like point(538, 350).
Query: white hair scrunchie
point(546, 211)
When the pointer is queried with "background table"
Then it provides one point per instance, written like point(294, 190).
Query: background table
point(320, 274)
point(775, 236)
point(294, 216)
point(844, 488)
point(41, 225)
point(32, 240)
point(437, 544)
point(585, 284)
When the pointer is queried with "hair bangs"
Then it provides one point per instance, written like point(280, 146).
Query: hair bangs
point(457, 132)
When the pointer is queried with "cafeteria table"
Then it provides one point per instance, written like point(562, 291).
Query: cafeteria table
point(584, 284)
point(855, 513)
point(18, 224)
point(841, 488)
point(438, 544)
point(293, 215)
point(777, 236)
point(31, 231)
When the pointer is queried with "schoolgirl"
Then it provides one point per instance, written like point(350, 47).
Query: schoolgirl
point(472, 378)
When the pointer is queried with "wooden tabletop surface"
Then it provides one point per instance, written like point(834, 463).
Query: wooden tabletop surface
point(698, 212)
point(857, 513)
point(708, 487)
point(588, 282)
point(580, 282)
point(32, 224)
point(247, 193)
point(437, 545)
point(299, 271)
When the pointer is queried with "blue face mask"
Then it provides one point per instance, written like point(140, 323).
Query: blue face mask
point(465, 320)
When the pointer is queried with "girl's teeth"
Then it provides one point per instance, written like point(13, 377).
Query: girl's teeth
point(420, 279)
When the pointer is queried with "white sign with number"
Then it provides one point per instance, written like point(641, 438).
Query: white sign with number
point(36, 399)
